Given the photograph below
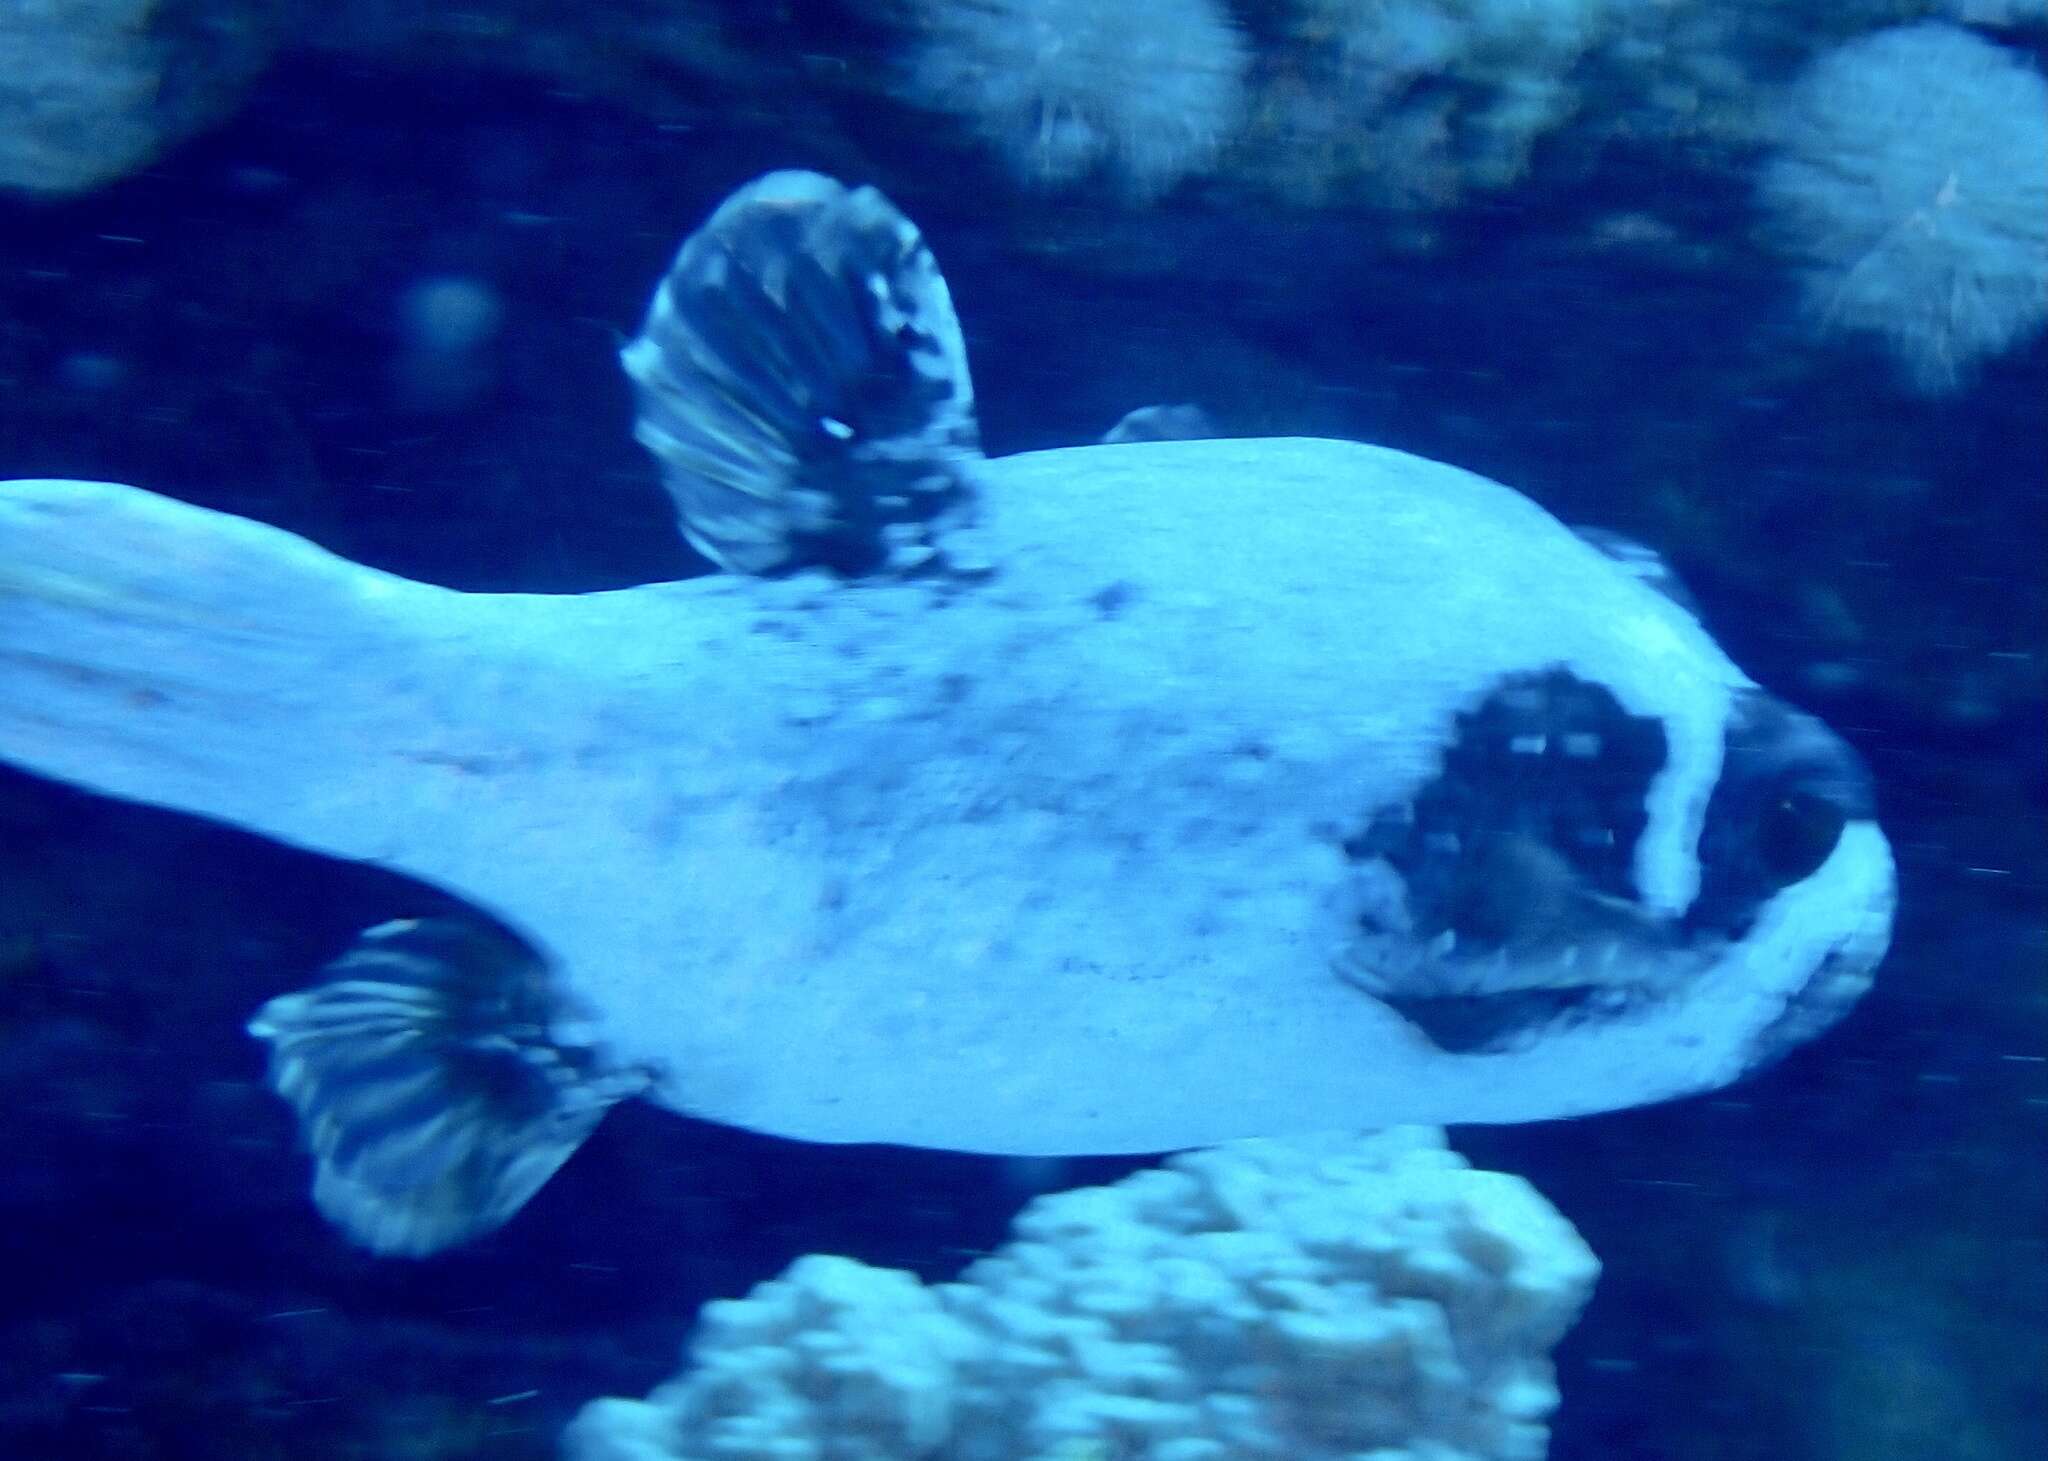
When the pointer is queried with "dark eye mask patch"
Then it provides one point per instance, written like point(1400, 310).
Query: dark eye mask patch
point(1515, 867)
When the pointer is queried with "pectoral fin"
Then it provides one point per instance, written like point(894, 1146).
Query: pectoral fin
point(428, 1086)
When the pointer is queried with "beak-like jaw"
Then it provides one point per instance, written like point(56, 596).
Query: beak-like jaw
point(1815, 947)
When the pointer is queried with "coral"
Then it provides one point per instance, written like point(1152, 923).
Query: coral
point(1068, 88)
point(1263, 1301)
point(91, 90)
point(1414, 103)
point(1910, 185)
point(1997, 12)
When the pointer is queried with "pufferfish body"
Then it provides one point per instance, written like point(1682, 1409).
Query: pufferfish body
point(1113, 799)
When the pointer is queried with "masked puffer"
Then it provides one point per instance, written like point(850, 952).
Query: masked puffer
point(1113, 799)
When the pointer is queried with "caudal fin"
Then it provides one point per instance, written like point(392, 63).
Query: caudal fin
point(163, 653)
point(803, 382)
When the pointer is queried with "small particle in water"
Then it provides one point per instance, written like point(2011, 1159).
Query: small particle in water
point(91, 371)
point(446, 326)
point(256, 180)
point(450, 313)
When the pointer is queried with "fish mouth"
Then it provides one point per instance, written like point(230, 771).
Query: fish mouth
point(1544, 954)
point(1792, 971)
point(1795, 972)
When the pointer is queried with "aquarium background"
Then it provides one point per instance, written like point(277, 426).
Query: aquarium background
point(361, 269)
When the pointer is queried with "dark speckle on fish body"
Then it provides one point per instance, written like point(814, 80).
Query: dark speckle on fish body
point(1113, 599)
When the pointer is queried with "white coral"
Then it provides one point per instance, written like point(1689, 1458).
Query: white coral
point(1145, 94)
point(1911, 185)
point(1415, 103)
point(90, 90)
point(1264, 1301)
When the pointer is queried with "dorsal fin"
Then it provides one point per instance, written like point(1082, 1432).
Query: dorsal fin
point(802, 380)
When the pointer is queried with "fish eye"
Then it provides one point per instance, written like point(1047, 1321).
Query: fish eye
point(1798, 831)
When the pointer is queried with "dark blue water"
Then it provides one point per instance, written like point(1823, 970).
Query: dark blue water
point(1842, 1257)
